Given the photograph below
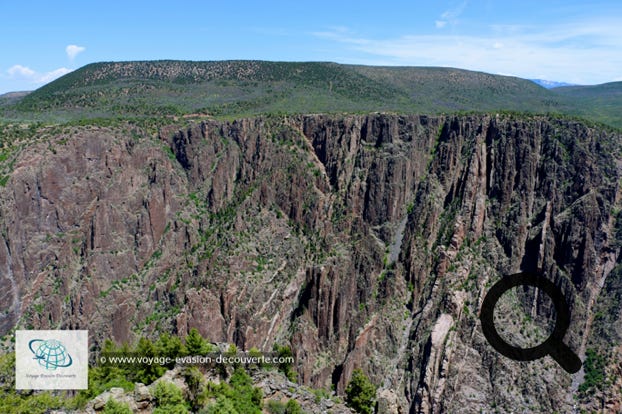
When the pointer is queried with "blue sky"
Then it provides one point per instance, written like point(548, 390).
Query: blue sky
point(572, 41)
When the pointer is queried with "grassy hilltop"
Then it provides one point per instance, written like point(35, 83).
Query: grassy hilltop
point(242, 88)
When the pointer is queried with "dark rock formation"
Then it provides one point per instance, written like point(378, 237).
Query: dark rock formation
point(363, 241)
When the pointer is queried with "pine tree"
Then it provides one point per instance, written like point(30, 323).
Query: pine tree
point(195, 343)
point(361, 393)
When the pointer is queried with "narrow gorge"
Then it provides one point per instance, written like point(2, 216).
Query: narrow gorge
point(362, 241)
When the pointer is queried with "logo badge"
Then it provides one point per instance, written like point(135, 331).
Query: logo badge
point(50, 353)
point(51, 360)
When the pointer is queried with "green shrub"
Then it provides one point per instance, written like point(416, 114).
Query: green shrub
point(361, 393)
point(147, 373)
point(171, 409)
point(222, 406)
point(239, 394)
point(170, 346)
point(292, 407)
point(167, 393)
point(287, 368)
point(196, 386)
point(168, 399)
point(33, 404)
point(196, 344)
point(594, 367)
point(115, 407)
point(276, 407)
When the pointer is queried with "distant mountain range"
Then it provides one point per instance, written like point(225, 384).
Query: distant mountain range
point(12, 97)
point(245, 88)
point(548, 84)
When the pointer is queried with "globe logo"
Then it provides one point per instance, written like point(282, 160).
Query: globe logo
point(50, 353)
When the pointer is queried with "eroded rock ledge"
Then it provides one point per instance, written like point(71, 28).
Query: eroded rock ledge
point(361, 240)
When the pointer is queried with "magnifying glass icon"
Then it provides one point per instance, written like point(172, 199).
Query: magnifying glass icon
point(554, 345)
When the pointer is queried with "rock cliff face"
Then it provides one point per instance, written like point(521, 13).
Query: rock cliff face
point(363, 241)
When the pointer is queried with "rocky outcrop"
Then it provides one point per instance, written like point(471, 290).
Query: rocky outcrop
point(362, 241)
point(273, 385)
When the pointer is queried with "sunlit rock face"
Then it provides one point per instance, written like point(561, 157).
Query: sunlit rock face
point(362, 241)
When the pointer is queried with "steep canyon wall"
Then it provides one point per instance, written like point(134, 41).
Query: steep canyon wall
point(361, 240)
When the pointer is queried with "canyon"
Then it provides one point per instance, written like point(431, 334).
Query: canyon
point(362, 241)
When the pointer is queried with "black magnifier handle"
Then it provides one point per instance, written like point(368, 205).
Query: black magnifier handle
point(564, 356)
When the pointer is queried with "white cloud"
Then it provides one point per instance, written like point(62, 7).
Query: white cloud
point(73, 51)
point(25, 74)
point(450, 16)
point(343, 36)
point(55, 74)
point(585, 53)
point(19, 71)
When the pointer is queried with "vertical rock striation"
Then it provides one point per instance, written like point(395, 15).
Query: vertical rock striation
point(361, 240)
